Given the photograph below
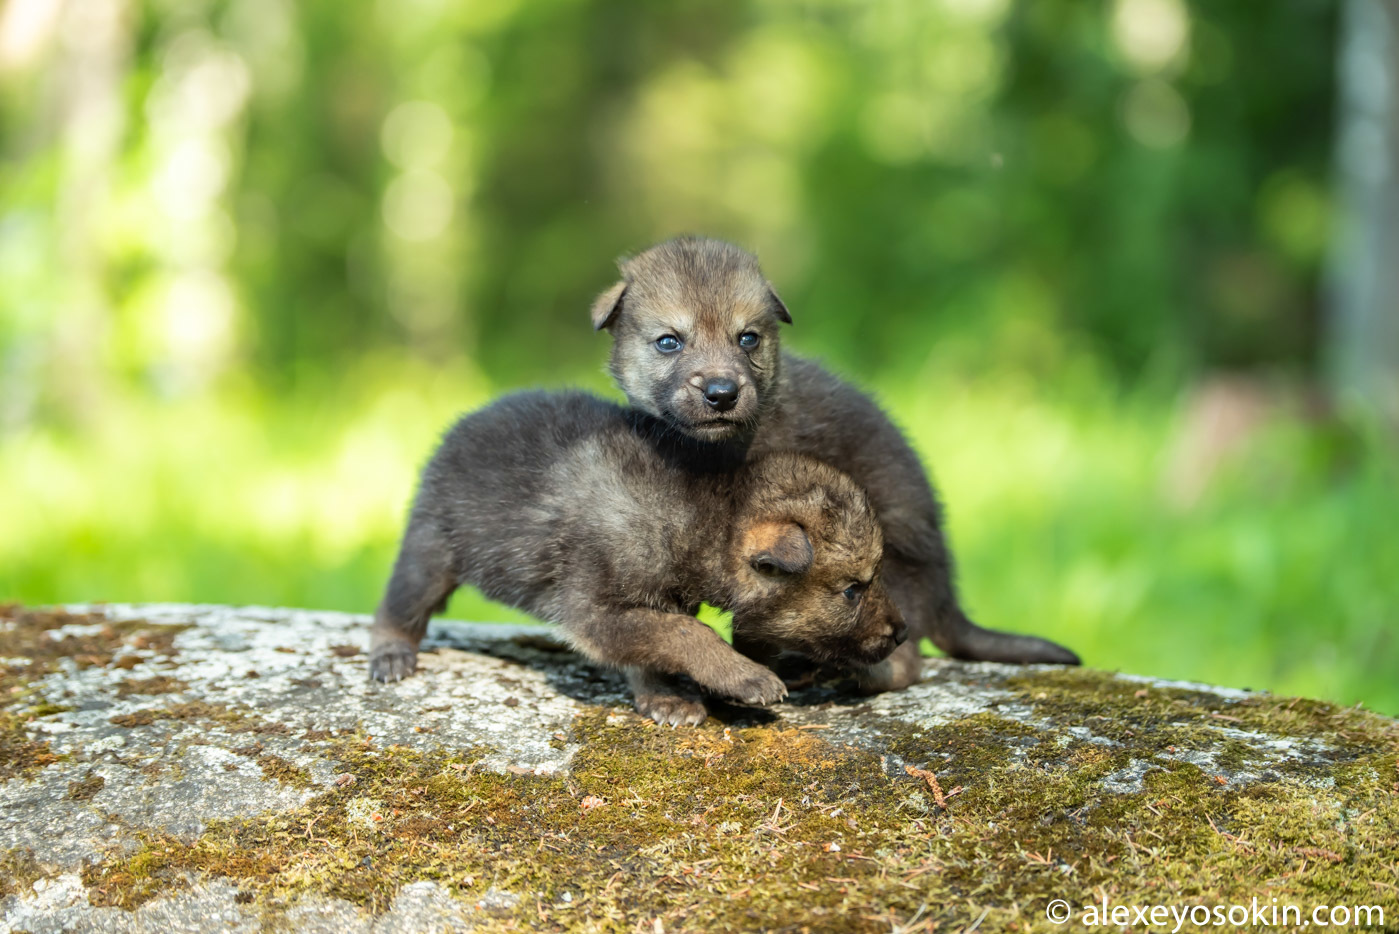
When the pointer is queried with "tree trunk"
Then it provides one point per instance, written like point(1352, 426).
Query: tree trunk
point(1363, 355)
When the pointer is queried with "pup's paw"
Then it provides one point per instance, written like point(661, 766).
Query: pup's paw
point(672, 709)
point(754, 685)
point(898, 671)
point(393, 661)
point(876, 678)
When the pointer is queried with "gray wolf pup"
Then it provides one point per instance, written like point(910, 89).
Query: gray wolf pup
point(695, 325)
point(594, 517)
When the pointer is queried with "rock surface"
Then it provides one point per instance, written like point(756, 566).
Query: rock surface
point(188, 768)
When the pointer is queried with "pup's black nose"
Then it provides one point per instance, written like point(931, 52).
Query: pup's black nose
point(900, 632)
point(721, 394)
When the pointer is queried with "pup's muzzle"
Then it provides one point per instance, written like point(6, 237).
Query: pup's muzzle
point(721, 394)
point(900, 633)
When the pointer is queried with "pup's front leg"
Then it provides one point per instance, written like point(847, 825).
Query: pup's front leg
point(665, 699)
point(898, 671)
point(673, 644)
point(421, 582)
point(393, 650)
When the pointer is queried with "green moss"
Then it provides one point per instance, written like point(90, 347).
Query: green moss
point(1130, 711)
point(961, 751)
point(85, 788)
point(46, 709)
point(20, 755)
point(26, 634)
point(158, 684)
point(778, 829)
point(1235, 755)
point(279, 769)
point(19, 870)
point(136, 880)
point(231, 719)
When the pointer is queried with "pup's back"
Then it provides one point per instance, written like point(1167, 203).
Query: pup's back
point(544, 501)
point(516, 488)
point(579, 512)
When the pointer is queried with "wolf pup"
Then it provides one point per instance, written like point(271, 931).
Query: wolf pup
point(695, 344)
point(566, 506)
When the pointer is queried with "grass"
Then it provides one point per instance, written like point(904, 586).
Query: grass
point(1280, 576)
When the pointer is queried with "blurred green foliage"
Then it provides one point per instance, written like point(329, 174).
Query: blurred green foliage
point(254, 255)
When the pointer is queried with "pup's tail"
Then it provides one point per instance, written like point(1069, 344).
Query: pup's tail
point(971, 642)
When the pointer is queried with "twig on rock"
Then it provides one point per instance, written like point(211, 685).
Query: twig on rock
point(932, 781)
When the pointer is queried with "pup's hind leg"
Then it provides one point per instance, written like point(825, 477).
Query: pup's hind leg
point(422, 581)
point(665, 699)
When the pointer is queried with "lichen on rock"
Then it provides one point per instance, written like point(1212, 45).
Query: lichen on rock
point(270, 785)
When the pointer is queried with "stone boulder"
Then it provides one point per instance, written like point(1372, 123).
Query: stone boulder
point(194, 768)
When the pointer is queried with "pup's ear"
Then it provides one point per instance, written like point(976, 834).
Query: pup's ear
point(606, 306)
point(778, 548)
point(778, 307)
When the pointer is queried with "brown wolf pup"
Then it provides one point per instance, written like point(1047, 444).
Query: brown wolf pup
point(695, 345)
point(592, 516)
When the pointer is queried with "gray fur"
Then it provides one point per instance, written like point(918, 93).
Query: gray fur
point(597, 518)
point(708, 293)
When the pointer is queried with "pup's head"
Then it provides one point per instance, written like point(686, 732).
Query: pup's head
point(694, 331)
point(807, 565)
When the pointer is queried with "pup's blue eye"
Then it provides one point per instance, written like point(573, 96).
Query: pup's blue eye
point(669, 344)
point(748, 340)
point(853, 592)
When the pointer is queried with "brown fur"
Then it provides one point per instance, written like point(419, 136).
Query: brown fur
point(707, 295)
point(591, 516)
point(710, 298)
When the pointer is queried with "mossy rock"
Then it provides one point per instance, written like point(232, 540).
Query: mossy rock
point(206, 768)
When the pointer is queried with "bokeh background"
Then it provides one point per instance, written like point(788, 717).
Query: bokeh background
point(1106, 262)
